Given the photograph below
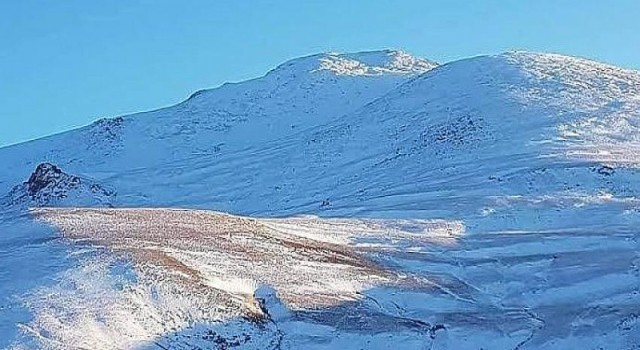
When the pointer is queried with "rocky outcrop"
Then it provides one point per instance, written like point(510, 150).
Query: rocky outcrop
point(48, 185)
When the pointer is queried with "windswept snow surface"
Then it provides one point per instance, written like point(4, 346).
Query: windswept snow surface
point(505, 188)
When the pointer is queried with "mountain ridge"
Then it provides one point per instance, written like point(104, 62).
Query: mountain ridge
point(326, 54)
point(449, 120)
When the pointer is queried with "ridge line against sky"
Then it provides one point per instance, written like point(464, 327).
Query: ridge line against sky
point(66, 64)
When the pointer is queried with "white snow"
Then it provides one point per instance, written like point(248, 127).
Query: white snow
point(375, 63)
point(506, 185)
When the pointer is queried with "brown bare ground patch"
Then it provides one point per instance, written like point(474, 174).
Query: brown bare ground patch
point(196, 247)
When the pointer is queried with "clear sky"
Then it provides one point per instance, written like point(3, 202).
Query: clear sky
point(65, 63)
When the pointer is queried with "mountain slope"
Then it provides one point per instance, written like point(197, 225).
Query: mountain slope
point(506, 189)
point(296, 95)
point(321, 134)
point(489, 129)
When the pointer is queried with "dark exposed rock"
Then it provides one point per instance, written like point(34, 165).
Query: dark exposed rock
point(48, 175)
point(48, 185)
point(104, 136)
point(224, 343)
point(606, 170)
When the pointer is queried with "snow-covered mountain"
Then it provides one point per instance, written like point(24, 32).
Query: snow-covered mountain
point(296, 95)
point(530, 159)
point(375, 134)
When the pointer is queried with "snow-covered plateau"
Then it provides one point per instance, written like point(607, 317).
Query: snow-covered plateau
point(372, 200)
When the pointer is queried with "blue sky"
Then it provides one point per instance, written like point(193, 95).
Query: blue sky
point(65, 63)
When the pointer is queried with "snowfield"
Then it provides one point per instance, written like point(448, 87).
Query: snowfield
point(372, 200)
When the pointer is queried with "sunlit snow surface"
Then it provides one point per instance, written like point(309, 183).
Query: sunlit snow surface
point(491, 202)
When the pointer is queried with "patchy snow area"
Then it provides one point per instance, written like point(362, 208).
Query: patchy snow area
point(379, 200)
point(182, 279)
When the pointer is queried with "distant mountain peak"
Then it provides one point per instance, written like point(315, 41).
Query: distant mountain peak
point(375, 63)
point(365, 63)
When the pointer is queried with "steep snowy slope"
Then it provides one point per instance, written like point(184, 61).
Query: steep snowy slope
point(299, 94)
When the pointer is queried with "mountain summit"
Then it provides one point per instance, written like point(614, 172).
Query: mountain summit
point(366, 63)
